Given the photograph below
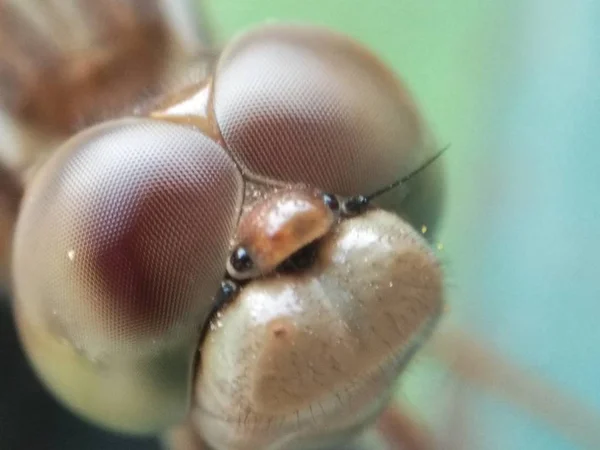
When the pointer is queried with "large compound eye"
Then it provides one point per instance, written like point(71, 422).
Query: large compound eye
point(303, 104)
point(119, 250)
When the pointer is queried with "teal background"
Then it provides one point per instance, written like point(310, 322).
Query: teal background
point(514, 87)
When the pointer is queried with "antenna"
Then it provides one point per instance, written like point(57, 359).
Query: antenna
point(358, 204)
point(410, 176)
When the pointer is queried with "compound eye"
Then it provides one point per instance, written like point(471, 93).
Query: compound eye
point(306, 105)
point(119, 250)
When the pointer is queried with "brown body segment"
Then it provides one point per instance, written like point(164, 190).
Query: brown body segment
point(59, 83)
point(192, 105)
point(283, 223)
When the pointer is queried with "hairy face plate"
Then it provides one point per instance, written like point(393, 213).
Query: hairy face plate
point(126, 233)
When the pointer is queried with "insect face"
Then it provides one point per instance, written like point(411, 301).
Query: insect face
point(126, 233)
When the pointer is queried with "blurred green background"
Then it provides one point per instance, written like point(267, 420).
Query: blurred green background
point(514, 87)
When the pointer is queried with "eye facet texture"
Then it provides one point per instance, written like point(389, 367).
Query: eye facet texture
point(119, 249)
point(303, 104)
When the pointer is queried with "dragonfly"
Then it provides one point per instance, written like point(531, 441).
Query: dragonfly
point(232, 248)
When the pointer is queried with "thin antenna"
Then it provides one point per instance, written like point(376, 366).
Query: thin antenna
point(360, 203)
point(408, 177)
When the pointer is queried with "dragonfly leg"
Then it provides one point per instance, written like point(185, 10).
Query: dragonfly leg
point(402, 432)
point(183, 437)
point(479, 365)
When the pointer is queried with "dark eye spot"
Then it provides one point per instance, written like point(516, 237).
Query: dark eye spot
point(332, 202)
point(301, 260)
point(355, 205)
point(240, 260)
